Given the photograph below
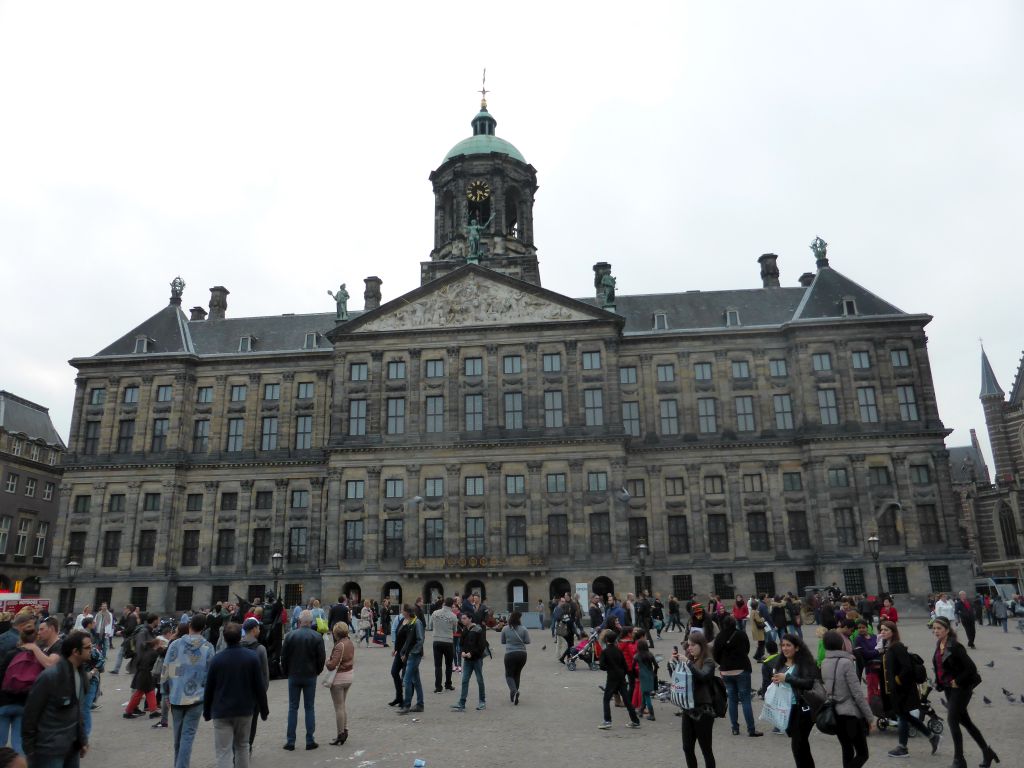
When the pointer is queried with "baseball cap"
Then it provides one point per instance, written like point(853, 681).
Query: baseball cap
point(250, 623)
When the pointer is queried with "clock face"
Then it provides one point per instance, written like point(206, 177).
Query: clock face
point(478, 191)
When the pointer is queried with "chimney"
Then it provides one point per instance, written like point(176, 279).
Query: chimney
point(769, 270)
point(371, 296)
point(601, 269)
point(198, 313)
point(218, 302)
point(806, 279)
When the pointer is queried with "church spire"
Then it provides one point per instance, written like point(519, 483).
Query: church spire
point(989, 386)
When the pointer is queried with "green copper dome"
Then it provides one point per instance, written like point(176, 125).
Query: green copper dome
point(483, 141)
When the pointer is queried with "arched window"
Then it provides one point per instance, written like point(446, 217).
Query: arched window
point(448, 225)
point(512, 212)
point(1008, 527)
point(558, 588)
point(888, 532)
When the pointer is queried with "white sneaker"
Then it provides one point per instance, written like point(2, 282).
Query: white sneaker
point(605, 726)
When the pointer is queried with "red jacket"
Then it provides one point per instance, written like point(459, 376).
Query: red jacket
point(889, 614)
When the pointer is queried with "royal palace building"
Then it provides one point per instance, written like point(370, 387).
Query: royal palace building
point(484, 433)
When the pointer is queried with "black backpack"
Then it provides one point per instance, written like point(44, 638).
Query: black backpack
point(920, 671)
point(719, 697)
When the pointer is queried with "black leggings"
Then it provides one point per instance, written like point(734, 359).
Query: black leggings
point(853, 740)
point(957, 700)
point(397, 673)
point(698, 732)
point(799, 731)
point(514, 663)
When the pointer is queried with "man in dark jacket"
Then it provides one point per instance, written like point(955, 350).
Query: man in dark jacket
point(339, 612)
point(234, 691)
point(302, 659)
point(965, 615)
point(613, 663)
point(53, 729)
point(474, 645)
point(125, 627)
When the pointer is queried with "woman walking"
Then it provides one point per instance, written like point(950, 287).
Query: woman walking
point(796, 667)
point(732, 654)
point(647, 673)
point(341, 662)
point(957, 676)
point(366, 622)
point(698, 722)
point(515, 638)
point(853, 715)
point(614, 665)
point(398, 664)
point(899, 689)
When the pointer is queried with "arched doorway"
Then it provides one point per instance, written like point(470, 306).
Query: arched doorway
point(353, 592)
point(431, 591)
point(559, 587)
point(476, 587)
point(518, 595)
point(393, 590)
point(602, 587)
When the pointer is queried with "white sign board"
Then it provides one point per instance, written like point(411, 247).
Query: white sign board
point(517, 595)
point(583, 592)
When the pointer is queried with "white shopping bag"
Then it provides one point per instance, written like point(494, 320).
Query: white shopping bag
point(778, 700)
point(682, 687)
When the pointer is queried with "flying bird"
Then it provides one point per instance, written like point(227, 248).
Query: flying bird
point(990, 664)
point(987, 700)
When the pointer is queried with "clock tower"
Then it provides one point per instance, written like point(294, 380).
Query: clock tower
point(483, 207)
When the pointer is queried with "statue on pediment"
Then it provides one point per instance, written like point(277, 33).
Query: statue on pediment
point(341, 300)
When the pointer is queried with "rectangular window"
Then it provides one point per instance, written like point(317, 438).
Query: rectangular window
point(682, 585)
point(396, 369)
point(627, 374)
point(303, 432)
point(394, 488)
point(660, 321)
point(928, 522)
point(435, 369)
point(298, 542)
point(706, 418)
point(678, 535)
point(838, 477)
point(593, 407)
point(718, 533)
point(896, 578)
point(139, 597)
point(867, 404)
point(48, 489)
point(357, 417)
point(125, 435)
point(225, 547)
point(190, 548)
point(714, 484)
point(666, 372)
point(236, 435)
point(34, 455)
point(474, 486)
point(261, 546)
point(861, 360)
point(433, 537)
point(846, 527)
point(591, 361)
point(474, 413)
point(515, 485)
point(238, 393)
point(597, 482)
point(353, 539)
point(723, 585)
point(229, 500)
point(97, 396)
point(558, 534)
point(474, 537)
point(394, 539)
point(637, 527)
point(300, 499)
point(201, 436)
point(745, 414)
point(91, 443)
point(631, 418)
point(702, 371)
point(511, 364)
point(552, 362)
point(434, 487)
point(147, 548)
point(355, 489)
point(204, 394)
point(515, 535)
point(799, 537)
point(740, 369)
point(792, 481)
point(513, 410)
point(473, 366)
point(396, 415)
point(306, 390)
point(637, 489)
point(5, 533)
point(669, 417)
point(757, 529)
point(131, 395)
point(827, 406)
point(25, 526)
point(821, 361)
point(553, 409)
point(764, 582)
point(268, 434)
point(908, 403)
point(164, 393)
point(900, 358)
point(777, 367)
point(30, 487)
point(920, 474)
point(76, 541)
point(434, 409)
point(555, 483)
point(783, 405)
point(752, 484)
point(271, 391)
point(264, 499)
point(358, 372)
point(160, 430)
point(151, 502)
point(879, 476)
point(939, 577)
point(194, 502)
point(81, 503)
point(600, 533)
point(674, 486)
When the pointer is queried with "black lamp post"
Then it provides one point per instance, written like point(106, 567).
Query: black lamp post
point(277, 568)
point(641, 552)
point(873, 548)
point(71, 570)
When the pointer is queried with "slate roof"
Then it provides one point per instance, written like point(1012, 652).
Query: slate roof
point(167, 331)
point(279, 333)
point(1017, 391)
point(989, 386)
point(967, 465)
point(824, 299)
point(21, 416)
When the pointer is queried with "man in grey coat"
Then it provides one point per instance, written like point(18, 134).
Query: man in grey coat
point(52, 729)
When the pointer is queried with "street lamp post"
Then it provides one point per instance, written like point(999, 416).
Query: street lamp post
point(277, 568)
point(641, 553)
point(71, 570)
point(873, 547)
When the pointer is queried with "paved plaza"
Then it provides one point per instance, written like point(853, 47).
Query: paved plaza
point(555, 723)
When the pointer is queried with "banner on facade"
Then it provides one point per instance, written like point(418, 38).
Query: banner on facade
point(583, 593)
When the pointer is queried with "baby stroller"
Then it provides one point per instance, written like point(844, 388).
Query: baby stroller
point(925, 714)
point(585, 650)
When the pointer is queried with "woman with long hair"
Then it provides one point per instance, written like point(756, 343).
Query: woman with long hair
point(515, 638)
point(699, 722)
point(366, 621)
point(957, 676)
point(647, 676)
point(899, 690)
point(795, 666)
point(732, 654)
point(853, 715)
point(342, 663)
point(888, 611)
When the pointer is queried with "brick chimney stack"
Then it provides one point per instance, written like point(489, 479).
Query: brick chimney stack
point(218, 302)
point(769, 270)
point(371, 296)
point(198, 313)
point(806, 279)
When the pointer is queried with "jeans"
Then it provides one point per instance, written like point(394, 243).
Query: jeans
point(55, 761)
point(10, 720)
point(903, 728)
point(469, 668)
point(87, 701)
point(446, 652)
point(185, 722)
point(698, 732)
point(411, 679)
point(306, 687)
point(737, 687)
point(231, 740)
point(120, 656)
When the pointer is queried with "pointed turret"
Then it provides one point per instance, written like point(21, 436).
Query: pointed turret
point(989, 386)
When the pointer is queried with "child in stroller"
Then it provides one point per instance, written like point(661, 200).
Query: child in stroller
point(586, 651)
point(926, 714)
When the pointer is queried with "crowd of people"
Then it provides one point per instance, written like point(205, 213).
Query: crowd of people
point(217, 665)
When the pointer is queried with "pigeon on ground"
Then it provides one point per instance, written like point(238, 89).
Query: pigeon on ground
point(1018, 648)
point(986, 699)
point(990, 664)
point(1022, 698)
point(543, 647)
point(1007, 693)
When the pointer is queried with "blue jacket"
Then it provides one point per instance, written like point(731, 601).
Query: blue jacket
point(185, 668)
point(234, 685)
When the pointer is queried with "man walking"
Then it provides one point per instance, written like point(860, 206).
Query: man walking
point(474, 644)
point(444, 621)
point(965, 615)
point(104, 627)
point(412, 655)
point(53, 729)
point(126, 625)
point(302, 659)
point(185, 669)
point(339, 612)
point(234, 690)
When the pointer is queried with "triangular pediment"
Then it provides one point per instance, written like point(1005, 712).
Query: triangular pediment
point(474, 297)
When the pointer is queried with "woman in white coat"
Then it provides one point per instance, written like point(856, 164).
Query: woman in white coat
point(945, 606)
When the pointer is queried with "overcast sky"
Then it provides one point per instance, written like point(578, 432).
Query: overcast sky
point(280, 149)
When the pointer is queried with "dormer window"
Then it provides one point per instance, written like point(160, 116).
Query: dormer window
point(245, 343)
point(732, 317)
point(660, 321)
point(141, 345)
point(849, 307)
point(310, 342)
